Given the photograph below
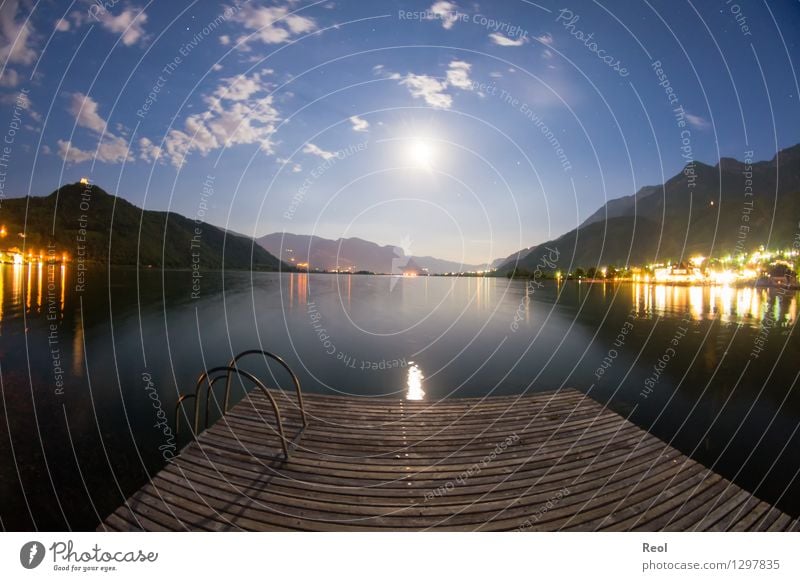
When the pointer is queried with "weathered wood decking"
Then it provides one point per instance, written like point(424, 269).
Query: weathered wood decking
point(372, 464)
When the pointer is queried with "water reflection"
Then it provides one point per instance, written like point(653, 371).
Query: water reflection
point(26, 287)
point(414, 383)
point(732, 305)
point(298, 289)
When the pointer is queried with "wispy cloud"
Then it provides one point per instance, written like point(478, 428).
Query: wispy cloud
point(697, 121)
point(312, 149)
point(238, 113)
point(85, 111)
point(458, 75)
point(445, 11)
point(502, 40)
point(359, 124)
point(428, 88)
point(271, 24)
point(16, 42)
point(110, 148)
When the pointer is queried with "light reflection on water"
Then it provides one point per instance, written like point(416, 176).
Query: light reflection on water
point(414, 383)
point(744, 305)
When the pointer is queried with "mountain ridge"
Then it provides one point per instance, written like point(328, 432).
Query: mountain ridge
point(703, 209)
point(85, 220)
point(354, 254)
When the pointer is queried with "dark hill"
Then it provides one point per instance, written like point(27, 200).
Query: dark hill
point(676, 220)
point(119, 233)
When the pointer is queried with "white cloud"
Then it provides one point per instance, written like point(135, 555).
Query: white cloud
point(84, 109)
point(697, 122)
point(545, 38)
point(359, 124)
point(129, 23)
point(216, 67)
point(447, 12)
point(240, 88)
point(429, 89)
point(224, 40)
point(502, 40)
point(16, 35)
point(149, 151)
point(235, 115)
point(458, 75)
point(111, 149)
point(62, 25)
point(312, 149)
point(9, 78)
point(272, 24)
point(293, 167)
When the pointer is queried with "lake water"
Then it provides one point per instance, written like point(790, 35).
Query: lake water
point(85, 371)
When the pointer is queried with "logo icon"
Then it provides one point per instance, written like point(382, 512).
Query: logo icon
point(31, 554)
point(402, 255)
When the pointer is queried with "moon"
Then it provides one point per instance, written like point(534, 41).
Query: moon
point(421, 154)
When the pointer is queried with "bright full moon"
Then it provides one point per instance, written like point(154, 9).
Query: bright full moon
point(421, 154)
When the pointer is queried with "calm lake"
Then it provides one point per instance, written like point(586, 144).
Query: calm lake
point(85, 371)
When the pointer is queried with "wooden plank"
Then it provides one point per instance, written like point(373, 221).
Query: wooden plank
point(387, 464)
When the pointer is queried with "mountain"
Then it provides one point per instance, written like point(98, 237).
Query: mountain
point(511, 258)
point(703, 210)
point(117, 232)
point(352, 253)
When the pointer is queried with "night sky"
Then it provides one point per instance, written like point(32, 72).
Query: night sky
point(462, 130)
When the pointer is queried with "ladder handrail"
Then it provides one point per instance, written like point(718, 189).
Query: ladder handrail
point(181, 398)
point(209, 391)
point(295, 380)
point(228, 371)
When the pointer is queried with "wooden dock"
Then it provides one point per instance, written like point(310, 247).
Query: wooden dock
point(549, 461)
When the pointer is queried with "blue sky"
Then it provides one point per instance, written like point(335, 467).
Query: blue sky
point(470, 129)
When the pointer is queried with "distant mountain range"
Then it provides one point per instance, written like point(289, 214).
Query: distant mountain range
point(710, 210)
point(354, 254)
point(703, 210)
point(113, 231)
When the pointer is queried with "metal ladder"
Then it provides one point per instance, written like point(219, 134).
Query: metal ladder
point(212, 376)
